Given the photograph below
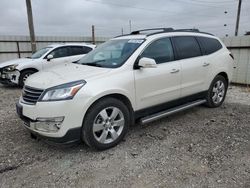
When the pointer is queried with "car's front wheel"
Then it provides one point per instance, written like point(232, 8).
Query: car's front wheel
point(105, 124)
point(217, 92)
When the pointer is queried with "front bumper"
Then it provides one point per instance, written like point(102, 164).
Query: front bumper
point(70, 129)
point(9, 78)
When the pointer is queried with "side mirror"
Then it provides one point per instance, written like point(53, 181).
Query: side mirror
point(147, 63)
point(49, 57)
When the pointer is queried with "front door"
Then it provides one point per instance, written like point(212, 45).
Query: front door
point(161, 84)
point(61, 56)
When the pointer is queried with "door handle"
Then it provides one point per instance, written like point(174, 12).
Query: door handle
point(205, 64)
point(175, 71)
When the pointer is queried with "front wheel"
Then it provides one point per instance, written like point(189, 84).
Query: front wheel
point(105, 124)
point(217, 92)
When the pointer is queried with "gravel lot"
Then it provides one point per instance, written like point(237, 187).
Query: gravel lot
point(200, 147)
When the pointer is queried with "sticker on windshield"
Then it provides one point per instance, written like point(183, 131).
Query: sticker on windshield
point(137, 41)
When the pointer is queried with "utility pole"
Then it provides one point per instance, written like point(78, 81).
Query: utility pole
point(130, 26)
point(238, 18)
point(122, 30)
point(93, 34)
point(31, 26)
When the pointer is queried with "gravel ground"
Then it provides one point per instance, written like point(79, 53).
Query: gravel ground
point(200, 147)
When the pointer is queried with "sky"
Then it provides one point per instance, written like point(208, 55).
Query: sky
point(110, 17)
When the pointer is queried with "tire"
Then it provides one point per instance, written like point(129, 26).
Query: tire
point(217, 92)
point(105, 124)
point(24, 75)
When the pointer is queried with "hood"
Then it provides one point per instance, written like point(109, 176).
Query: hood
point(64, 74)
point(20, 62)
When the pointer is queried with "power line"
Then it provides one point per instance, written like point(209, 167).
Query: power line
point(154, 10)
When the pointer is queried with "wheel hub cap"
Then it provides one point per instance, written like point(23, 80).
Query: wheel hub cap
point(218, 92)
point(108, 125)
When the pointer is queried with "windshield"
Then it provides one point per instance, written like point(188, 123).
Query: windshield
point(111, 54)
point(40, 53)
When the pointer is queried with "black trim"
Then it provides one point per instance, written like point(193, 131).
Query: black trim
point(72, 136)
point(168, 105)
point(238, 47)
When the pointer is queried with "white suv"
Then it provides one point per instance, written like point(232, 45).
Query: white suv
point(15, 72)
point(139, 77)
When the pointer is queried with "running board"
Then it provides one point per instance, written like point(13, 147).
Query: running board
point(170, 111)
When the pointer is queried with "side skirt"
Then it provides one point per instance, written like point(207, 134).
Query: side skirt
point(166, 113)
point(182, 103)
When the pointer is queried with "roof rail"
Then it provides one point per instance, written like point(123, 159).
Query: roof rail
point(192, 30)
point(187, 30)
point(163, 30)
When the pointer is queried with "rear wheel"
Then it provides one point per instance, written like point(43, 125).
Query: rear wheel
point(24, 75)
point(106, 123)
point(217, 92)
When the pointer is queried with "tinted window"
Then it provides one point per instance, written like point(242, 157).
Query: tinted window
point(79, 50)
point(60, 52)
point(187, 47)
point(160, 50)
point(209, 45)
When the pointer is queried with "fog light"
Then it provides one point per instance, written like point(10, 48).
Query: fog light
point(48, 124)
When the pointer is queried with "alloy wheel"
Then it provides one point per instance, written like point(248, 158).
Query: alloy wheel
point(218, 92)
point(108, 125)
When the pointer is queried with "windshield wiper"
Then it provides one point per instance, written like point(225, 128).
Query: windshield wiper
point(76, 61)
point(94, 63)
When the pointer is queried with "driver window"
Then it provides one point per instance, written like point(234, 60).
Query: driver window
point(60, 52)
point(160, 50)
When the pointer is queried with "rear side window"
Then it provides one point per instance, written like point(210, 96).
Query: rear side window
point(79, 50)
point(209, 45)
point(160, 50)
point(186, 47)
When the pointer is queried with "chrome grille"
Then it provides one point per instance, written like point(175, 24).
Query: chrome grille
point(31, 95)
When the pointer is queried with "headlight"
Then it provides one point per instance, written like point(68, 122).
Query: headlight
point(10, 67)
point(62, 92)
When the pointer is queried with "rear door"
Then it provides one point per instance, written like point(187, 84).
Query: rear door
point(161, 84)
point(193, 64)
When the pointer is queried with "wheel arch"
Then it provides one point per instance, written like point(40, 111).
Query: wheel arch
point(224, 74)
point(124, 99)
point(26, 69)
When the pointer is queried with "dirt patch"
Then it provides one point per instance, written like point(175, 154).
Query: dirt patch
point(200, 147)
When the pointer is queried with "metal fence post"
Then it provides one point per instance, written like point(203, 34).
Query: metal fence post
point(18, 49)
